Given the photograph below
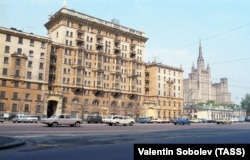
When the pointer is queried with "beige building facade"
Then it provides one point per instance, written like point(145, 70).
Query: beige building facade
point(96, 66)
point(163, 91)
point(86, 66)
point(23, 76)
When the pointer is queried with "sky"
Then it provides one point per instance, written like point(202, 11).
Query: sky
point(174, 29)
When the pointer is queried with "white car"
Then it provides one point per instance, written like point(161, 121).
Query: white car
point(31, 118)
point(118, 120)
point(20, 118)
point(61, 119)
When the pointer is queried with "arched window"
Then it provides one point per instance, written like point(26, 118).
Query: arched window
point(130, 105)
point(113, 104)
point(75, 101)
point(95, 103)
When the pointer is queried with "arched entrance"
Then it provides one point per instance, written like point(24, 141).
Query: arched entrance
point(52, 106)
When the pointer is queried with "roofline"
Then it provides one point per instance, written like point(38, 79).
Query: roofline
point(16, 31)
point(75, 14)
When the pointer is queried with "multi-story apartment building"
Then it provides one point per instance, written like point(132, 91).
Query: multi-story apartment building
point(23, 72)
point(96, 66)
point(86, 66)
point(164, 89)
point(198, 87)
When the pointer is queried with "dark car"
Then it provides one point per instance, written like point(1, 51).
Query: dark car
point(144, 120)
point(94, 119)
point(1, 119)
point(181, 121)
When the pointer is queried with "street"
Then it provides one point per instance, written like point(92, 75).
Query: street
point(100, 141)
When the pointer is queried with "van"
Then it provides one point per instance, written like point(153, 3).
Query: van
point(119, 120)
point(94, 119)
point(19, 118)
point(31, 118)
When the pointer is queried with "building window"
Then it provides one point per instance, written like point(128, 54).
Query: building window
point(31, 53)
point(95, 103)
point(28, 84)
point(32, 42)
point(42, 44)
point(39, 86)
point(7, 49)
point(41, 66)
point(5, 71)
point(20, 40)
point(39, 97)
point(29, 74)
point(6, 60)
point(1, 106)
point(26, 108)
point(38, 108)
point(15, 95)
point(8, 37)
point(19, 51)
point(14, 107)
point(17, 73)
point(16, 84)
point(29, 63)
point(27, 96)
point(2, 94)
point(40, 76)
point(41, 55)
point(4, 82)
point(18, 62)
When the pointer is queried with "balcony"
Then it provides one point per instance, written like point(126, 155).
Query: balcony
point(80, 38)
point(117, 39)
point(52, 64)
point(79, 30)
point(53, 93)
point(78, 66)
point(132, 54)
point(100, 43)
point(99, 36)
point(52, 74)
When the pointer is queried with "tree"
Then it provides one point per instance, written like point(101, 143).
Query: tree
point(245, 102)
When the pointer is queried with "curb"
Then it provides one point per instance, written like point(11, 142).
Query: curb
point(14, 143)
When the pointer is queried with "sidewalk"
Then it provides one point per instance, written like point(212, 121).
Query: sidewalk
point(9, 142)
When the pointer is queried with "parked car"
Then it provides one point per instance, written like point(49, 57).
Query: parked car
point(223, 121)
point(211, 121)
point(181, 121)
point(247, 119)
point(165, 120)
point(202, 120)
point(144, 120)
point(19, 118)
point(234, 120)
point(119, 120)
point(61, 119)
point(194, 120)
point(1, 119)
point(31, 118)
point(94, 119)
point(156, 120)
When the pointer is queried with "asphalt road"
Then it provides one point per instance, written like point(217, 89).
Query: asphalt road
point(99, 141)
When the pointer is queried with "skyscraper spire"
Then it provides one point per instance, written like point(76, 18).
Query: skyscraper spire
point(200, 51)
point(200, 60)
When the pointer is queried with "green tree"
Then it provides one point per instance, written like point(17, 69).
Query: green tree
point(245, 102)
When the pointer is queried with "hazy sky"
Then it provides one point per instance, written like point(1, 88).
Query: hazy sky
point(174, 29)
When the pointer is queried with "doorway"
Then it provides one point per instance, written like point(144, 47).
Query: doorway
point(52, 105)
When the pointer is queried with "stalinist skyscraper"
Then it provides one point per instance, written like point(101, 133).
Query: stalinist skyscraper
point(198, 87)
